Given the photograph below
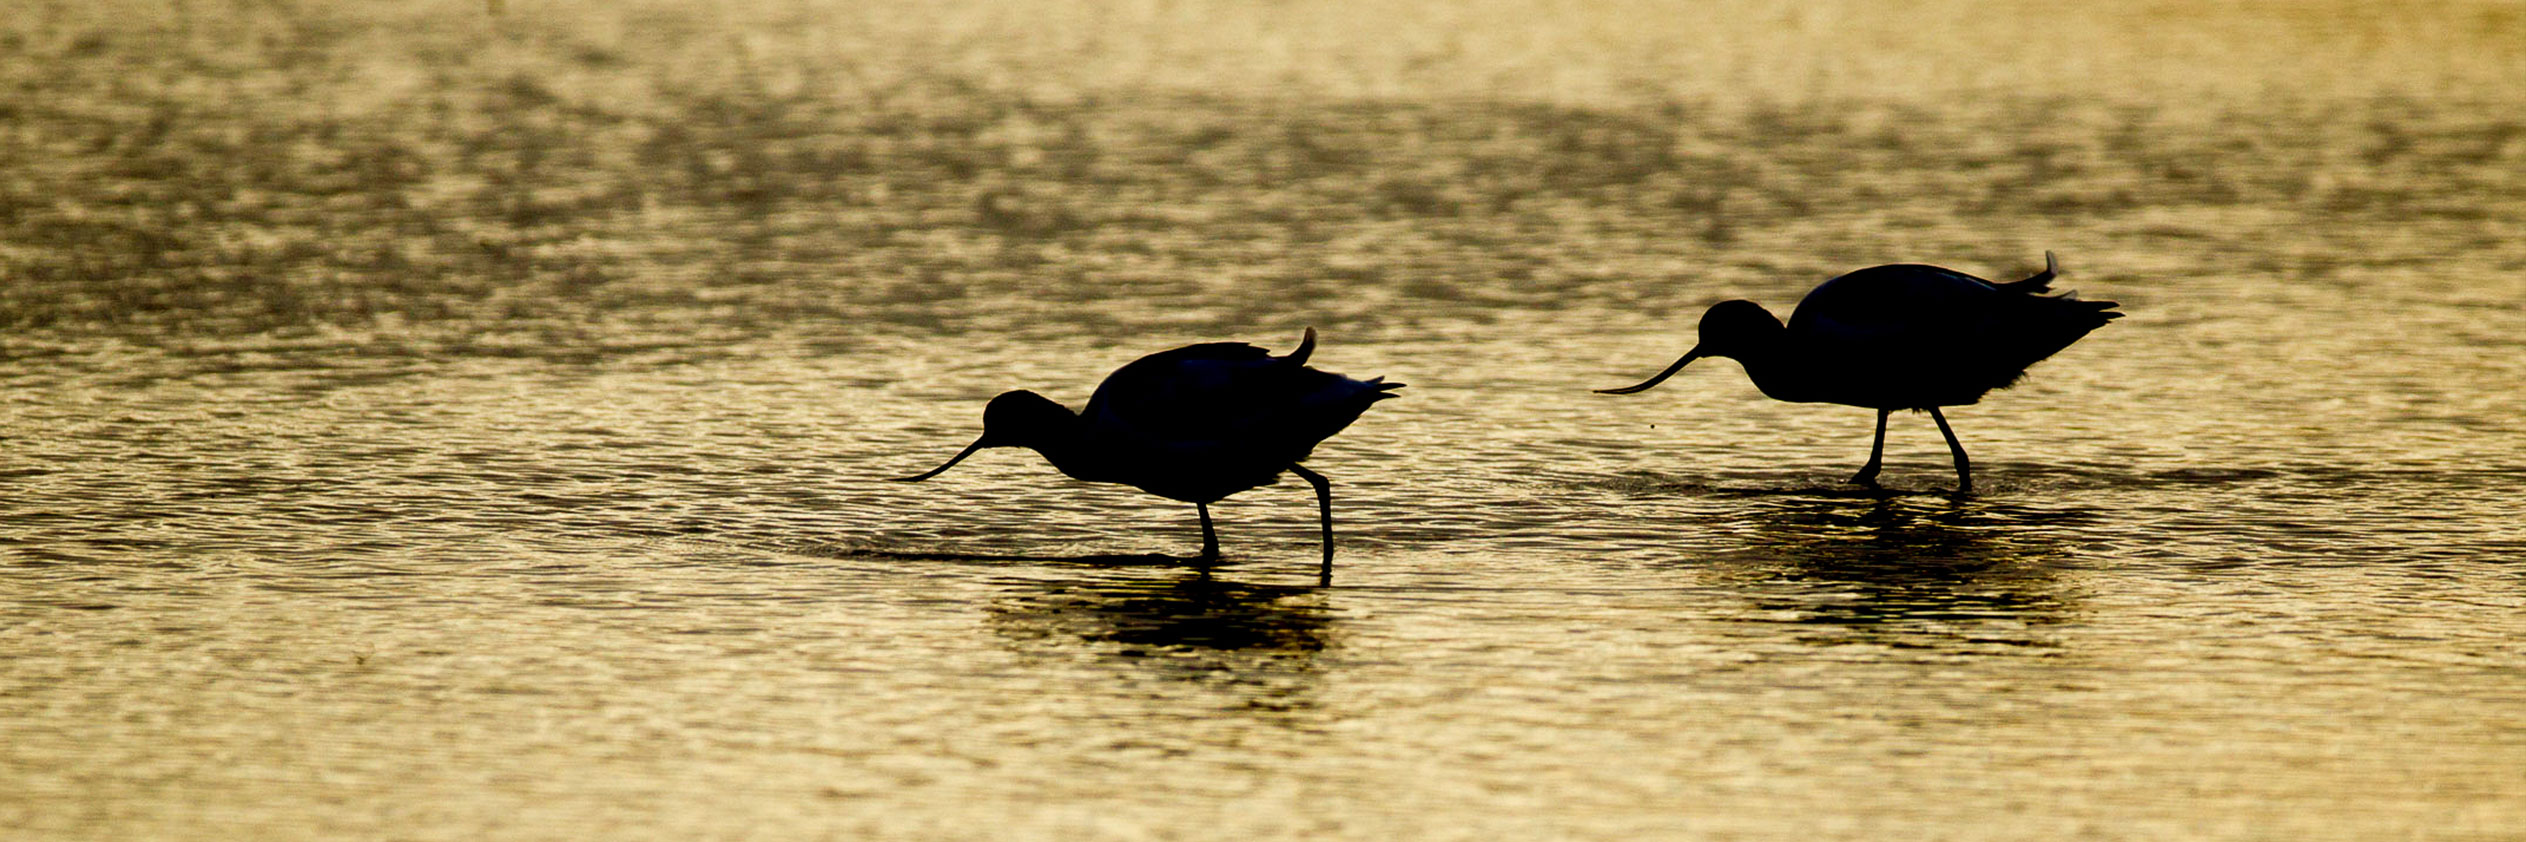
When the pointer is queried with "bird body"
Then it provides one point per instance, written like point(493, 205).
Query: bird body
point(1900, 336)
point(1196, 424)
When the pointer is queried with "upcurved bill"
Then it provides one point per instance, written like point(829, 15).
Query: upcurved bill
point(1670, 371)
point(978, 444)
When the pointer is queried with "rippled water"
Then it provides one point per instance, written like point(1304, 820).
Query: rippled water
point(430, 423)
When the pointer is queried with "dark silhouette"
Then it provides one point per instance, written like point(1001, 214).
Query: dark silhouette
point(1903, 336)
point(1187, 613)
point(1196, 424)
point(1249, 649)
point(1957, 577)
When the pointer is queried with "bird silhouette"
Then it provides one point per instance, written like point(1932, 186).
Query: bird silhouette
point(1901, 336)
point(1196, 424)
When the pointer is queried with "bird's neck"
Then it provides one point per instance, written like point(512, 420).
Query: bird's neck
point(1066, 447)
point(1777, 372)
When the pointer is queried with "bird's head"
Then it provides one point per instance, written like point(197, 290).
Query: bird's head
point(1013, 419)
point(1023, 419)
point(1729, 329)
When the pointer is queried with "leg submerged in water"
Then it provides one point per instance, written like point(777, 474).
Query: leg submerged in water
point(1964, 466)
point(1210, 536)
point(1324, 513)
point(1867, 475)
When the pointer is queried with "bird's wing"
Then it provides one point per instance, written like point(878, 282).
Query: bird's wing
point(1218, 391)
point(1904, 305)
point(1904, 323)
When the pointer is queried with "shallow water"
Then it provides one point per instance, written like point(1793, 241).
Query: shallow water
point(425, 424)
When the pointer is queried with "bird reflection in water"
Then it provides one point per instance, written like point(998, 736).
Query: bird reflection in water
point(1189, 626)
point(1955, 577)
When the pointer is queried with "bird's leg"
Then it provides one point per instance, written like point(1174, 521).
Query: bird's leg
point(1210, 537)
point(1964, 466)
point(1324, 512)
point(1876, 454)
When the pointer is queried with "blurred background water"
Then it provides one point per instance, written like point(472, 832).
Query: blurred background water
point(458, 421)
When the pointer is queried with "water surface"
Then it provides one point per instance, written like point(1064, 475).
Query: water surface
point(423, 423)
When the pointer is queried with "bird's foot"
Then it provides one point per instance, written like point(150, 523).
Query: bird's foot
point(1866, 478)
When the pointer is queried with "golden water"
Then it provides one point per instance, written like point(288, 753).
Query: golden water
point(464, 421)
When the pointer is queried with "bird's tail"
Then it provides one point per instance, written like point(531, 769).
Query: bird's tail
point(2096, 313)
point(1306, 345)
point(2066, 317)
point(1383, 389)
point(2040, 281)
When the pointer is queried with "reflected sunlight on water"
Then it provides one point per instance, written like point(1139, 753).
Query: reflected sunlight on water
point(424, 423)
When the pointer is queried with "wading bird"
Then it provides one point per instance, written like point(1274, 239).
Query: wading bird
point(1902, 336)
point(1196, 424)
